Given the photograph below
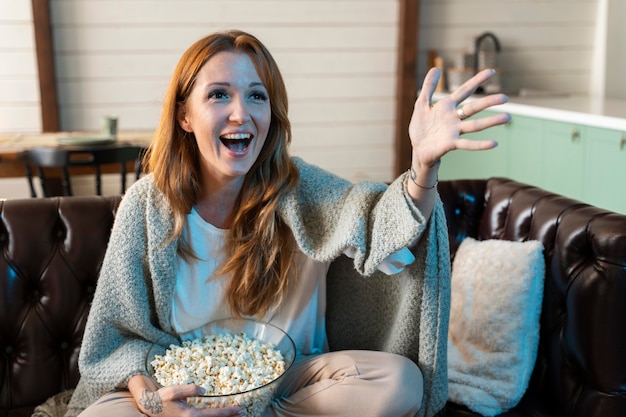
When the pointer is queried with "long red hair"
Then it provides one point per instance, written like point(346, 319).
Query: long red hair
point(259, 246)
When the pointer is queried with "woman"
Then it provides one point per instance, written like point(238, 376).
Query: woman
point(227, 224)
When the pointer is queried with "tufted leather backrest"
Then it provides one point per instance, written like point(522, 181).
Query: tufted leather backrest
point(51, 253)
point(581, 365)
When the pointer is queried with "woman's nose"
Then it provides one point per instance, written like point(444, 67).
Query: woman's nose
point(239, 111)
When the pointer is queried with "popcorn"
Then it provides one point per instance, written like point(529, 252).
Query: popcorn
point(223, 364)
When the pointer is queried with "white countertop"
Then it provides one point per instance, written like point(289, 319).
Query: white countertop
point(583, 110)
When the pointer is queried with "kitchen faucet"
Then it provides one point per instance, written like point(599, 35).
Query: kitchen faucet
point(478, 47)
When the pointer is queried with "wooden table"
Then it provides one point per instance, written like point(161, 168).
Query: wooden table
point(12, 146)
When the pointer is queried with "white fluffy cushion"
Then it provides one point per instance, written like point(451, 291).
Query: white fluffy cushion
point(497, 289)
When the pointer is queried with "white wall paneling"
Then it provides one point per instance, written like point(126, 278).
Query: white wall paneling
point(337, 57)
point(115, 57)
point(616, 49)
point(546, 44)
point(19, 85)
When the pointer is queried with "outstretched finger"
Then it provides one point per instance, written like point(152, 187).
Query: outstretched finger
point(472, 107)
point(429, 86)
point(481, 123)
point(475, 145)
point(470, 86)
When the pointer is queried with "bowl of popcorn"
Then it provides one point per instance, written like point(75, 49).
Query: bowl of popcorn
point(237, 361)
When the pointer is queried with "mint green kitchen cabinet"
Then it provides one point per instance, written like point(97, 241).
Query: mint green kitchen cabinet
point(525, 140)
point(579, 161)
point(562, 162)
point(463, 164)
point(516, 155)
point(605, 173)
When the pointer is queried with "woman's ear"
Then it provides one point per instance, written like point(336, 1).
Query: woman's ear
point(181, 116)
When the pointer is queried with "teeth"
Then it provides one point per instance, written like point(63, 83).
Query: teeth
point(237, 136)
point(237, 142)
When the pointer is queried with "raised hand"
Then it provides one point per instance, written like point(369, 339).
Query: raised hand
point(436, 129)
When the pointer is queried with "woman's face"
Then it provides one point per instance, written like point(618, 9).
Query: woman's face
point(229, 113)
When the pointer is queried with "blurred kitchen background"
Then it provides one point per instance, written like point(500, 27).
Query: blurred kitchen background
point(572, 47)
point(339, 59)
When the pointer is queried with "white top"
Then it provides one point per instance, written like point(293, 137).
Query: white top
point(199, 296)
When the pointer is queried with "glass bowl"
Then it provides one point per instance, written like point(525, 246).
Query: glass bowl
point(254, 401)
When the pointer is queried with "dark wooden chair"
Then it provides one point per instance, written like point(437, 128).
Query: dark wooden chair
point(63, 158)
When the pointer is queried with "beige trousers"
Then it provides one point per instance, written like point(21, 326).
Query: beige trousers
point(338, 384)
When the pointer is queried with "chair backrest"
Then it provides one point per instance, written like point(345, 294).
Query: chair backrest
point(65, 157)
point(51, 251)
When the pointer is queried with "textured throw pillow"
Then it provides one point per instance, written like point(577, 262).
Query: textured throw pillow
point(497, 289)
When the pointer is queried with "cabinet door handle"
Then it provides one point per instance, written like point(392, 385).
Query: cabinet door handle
point(575, 134)
point(622, 142)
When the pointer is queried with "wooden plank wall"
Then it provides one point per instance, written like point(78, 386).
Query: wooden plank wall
point(338, 59)
point(546, 44)
point(19, 85)
point(615, 86)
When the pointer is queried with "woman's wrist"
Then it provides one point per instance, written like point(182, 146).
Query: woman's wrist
point(413, 178)
point(425, 177)
point(421, 181)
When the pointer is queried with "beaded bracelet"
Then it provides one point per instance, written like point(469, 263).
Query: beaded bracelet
point(413, 176)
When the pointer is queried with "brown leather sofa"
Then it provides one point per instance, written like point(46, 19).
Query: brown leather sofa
point(52, 249)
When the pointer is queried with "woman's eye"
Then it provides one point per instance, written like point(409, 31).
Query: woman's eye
point(217, 95)
point(258, 96)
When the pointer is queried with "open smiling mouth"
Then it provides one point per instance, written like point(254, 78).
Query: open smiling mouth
point(237, 142)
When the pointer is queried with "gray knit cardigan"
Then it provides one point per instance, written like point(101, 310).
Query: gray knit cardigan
point(406, 313)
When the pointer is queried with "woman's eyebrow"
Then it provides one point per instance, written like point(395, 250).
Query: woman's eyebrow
point(220, 83)
point(227, 84)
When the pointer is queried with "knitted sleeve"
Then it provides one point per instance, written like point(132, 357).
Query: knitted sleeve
point(122, 322)
point(330, 216)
